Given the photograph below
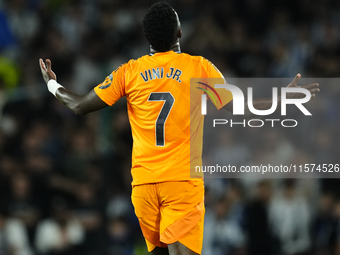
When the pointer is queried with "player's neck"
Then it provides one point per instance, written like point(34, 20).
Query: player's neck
point(176, 47)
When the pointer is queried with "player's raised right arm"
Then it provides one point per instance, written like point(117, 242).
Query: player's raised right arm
point(79, 104)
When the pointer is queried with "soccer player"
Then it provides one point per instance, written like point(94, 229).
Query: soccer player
point(168, 203)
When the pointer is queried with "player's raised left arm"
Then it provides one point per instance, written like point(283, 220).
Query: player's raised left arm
point(79, 104)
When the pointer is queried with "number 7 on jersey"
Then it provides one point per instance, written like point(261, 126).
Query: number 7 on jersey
point(163, 114)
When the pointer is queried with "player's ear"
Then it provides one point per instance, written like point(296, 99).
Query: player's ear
point(179, 35)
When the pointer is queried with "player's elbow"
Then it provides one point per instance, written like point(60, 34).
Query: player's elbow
point(79, 109)
point(78, 112)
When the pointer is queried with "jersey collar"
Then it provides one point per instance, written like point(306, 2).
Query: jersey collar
point(177, 51)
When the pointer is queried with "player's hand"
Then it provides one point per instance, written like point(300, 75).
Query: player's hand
point(47, 73)
point(313, 88)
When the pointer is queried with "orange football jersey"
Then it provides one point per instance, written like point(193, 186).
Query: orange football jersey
point(157, 88)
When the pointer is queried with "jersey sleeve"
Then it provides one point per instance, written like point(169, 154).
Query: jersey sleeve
point(223, 96)
point(113, 87)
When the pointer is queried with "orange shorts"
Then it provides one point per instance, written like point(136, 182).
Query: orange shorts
point(169, 212)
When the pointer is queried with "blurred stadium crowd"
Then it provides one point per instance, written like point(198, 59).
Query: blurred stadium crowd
point(65, 179)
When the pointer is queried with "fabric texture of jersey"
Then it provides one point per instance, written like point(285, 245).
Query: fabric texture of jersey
point(157, 89)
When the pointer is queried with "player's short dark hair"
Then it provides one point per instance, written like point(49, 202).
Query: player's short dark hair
point(160, 25)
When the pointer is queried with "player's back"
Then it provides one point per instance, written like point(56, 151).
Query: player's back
point(159, 111)
point(157, 89)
